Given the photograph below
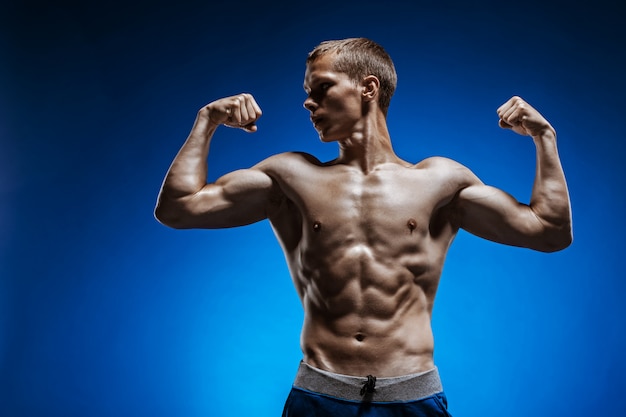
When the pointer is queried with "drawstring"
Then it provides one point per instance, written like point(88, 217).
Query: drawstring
point(369, 386)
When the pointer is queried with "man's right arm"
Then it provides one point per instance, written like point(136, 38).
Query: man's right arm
point(238, 198)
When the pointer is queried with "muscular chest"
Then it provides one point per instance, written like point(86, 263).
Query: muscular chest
point(376, 206)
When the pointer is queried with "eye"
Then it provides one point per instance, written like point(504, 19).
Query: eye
point(318, 88)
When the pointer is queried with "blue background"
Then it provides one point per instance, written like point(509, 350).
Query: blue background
point(105, 312)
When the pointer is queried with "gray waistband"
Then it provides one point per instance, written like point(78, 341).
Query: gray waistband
point(402, 388)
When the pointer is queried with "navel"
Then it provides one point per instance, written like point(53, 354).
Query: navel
point(317, 226)
point(359, 337)
point(411, 224)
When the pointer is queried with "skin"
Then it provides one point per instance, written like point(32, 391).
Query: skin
point(365, 235)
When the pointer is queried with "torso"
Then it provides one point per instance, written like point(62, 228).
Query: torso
point(365, 253)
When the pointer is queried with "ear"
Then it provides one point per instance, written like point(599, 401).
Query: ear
point(370, 85)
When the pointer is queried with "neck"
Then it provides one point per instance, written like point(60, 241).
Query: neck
point(368, 146)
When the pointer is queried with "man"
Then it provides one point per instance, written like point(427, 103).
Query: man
point(365, 235)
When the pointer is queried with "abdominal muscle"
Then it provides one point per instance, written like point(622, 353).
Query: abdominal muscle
point(363, 316)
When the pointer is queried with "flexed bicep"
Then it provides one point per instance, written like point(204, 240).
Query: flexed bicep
point(545, 223)
point(495, 215)
point(238, 198)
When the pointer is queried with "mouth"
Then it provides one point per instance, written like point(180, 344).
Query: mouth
point(316, 120)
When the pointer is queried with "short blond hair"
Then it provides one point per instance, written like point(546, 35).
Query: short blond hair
point(358, 58)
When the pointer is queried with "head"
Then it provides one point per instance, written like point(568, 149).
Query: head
point(359, 58)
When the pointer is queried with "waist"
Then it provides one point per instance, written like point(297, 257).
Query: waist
point(368, 388)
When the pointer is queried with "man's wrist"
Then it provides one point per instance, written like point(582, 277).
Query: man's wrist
point(547, 133)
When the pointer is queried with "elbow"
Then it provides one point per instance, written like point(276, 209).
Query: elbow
point(556, 246)
point(168, 217)
point(557, 239)
point(161, 216)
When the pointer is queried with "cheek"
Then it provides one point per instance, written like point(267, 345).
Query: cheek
point(344, 106)
point(333, 104)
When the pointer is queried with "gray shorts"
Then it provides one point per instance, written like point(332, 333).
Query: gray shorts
point(320, 393)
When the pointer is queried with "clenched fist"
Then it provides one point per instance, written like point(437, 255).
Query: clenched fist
point(522, 118)
point(240, 111)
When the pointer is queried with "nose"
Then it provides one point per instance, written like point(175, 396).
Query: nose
point(309, 104)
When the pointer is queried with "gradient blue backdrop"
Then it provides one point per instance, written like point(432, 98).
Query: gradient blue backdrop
point(105, 312)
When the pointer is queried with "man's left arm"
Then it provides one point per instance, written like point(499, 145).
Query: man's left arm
point(545, 224)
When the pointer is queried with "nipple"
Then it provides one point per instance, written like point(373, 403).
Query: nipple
point(411, 224)
point(317, 226)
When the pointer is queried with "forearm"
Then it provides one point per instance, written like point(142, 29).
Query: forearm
point(188, 172)
point(550, 197)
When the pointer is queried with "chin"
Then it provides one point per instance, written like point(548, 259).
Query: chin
point(326, 137)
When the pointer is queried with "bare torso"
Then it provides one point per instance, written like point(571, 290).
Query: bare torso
point(365, 236)
point(366, 253)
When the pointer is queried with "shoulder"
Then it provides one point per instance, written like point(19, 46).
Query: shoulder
point(289, 158)
point(451, 176)
point(290, 171)
point(287, 162)
point(446, 167)
point(439, 163)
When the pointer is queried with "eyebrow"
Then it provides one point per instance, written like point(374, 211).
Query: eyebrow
point(318, 79)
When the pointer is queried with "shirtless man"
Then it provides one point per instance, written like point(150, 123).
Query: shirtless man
point(366, 234)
